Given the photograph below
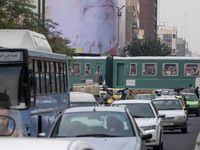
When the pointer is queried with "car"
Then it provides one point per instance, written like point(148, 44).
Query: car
point(175, 117)
point(192, 102)
point(183, 103)
point(101, 127)
point(41, 144)
point(79, 99)
point(146, 96)
point(147, 118)
point(168, 92)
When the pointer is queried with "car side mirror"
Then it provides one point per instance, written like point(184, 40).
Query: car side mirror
point(146, 136)
point(161, 115)
point(41, 135)
point(186, 108)
point(186, 105)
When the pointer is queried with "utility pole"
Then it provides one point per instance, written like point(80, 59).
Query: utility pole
point(119, 13)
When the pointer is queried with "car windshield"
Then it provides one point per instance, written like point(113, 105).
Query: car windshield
point(168, 104)
point(81, 104)
point(168, 92)
point(191, 97)
point(138, 110)
point(93, 124)
point(145, 97)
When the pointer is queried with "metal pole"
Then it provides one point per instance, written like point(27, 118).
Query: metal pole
point(43, 12)
point(39, 8)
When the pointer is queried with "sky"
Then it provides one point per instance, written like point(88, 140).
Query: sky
point(185, 15)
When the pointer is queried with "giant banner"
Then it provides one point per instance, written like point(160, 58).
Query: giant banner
point(90, 25)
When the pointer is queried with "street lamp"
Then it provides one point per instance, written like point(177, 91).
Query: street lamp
point(119, 13)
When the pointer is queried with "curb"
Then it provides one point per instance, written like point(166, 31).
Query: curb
point(197, 147)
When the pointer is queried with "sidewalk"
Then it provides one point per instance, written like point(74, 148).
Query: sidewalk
point(197, 147)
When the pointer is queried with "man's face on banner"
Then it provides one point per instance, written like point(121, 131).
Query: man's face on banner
point(89, 24)
point(98, 10)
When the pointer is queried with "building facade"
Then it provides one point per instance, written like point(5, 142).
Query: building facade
point(169, 36)
point(180, 45)
point(148, 18)
point(132, 23)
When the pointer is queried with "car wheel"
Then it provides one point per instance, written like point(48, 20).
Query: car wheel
point(184, 130)
point(160, 146)
point(197, 113)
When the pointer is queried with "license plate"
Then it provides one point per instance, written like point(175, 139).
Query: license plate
point(168, 123)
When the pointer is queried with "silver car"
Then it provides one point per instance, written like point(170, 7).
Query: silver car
point(104, 128)
point(147, 118)
point(175, 117)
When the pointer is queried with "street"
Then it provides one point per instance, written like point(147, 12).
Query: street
point(175, 140)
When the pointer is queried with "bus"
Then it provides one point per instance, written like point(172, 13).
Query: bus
point(35, 82)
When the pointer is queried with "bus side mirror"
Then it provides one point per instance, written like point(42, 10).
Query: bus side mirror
point(32, 80)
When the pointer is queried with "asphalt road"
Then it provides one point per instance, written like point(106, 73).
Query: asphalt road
point(175, 140)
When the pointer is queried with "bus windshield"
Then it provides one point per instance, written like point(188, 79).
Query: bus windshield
point(10, 85)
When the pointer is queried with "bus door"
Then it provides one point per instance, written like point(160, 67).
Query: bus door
point(120, 75)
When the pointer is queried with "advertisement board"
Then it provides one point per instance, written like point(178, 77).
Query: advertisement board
point(90, 25)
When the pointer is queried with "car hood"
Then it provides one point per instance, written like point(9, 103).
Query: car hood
point(114, 143)
point(145, 121)
point(172, 113)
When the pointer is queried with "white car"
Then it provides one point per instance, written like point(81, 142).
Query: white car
point(79, 99)
point(147, 118)
point(175, 117)
point(104, 128)
point(42, 144)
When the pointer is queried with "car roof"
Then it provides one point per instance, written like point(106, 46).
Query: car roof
point(165, 98)
point(131, 101)
point(81, 97)
point(94, 109)
point(188, 94)
point(146, 94)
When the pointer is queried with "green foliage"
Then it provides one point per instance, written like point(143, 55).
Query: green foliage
point(146, 47)
point(19, 14)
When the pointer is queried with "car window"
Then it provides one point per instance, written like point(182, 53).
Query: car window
point(146, 97)
point(93, 124)
point(138, 110)
point(191, 97)
point(168, 104)
point(81, 104)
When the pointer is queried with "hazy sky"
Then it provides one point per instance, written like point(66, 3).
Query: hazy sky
point(185, 15)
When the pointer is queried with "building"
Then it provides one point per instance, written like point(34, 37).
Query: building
point(180, 45)
point(148, 18)
point(169, 36)
point(132, 24)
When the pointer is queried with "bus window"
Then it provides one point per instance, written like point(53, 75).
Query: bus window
point(53, 80)
point(48, 89)
point(37, 76)
point(57, 78)
point(62, 77)
point(42, 75)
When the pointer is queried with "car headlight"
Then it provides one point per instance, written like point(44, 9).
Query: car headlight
point(180, 118)
point(146, 128)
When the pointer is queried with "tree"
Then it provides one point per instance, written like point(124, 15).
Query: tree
point(146, 47)
point(19, 14)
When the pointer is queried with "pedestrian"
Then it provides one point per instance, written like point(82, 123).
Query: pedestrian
point(130, 95)
point(191, 88)
point(196, 91)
